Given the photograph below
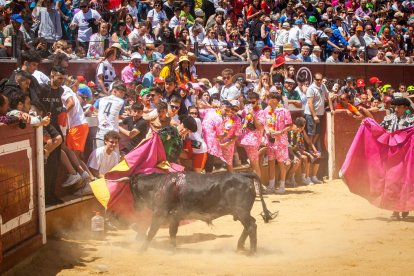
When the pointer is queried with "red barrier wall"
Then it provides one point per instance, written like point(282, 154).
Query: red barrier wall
point(343, 130)
point(20, 222)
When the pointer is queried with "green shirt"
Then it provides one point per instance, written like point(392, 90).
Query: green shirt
point(293, 95)
point(173, 144)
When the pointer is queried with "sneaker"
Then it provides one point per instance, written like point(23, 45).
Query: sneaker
point(269, 191)
point(307, 181)
point(72, 180)
point(395, 216)
point(85, 190)
point(85, 175)
point(293, 182)
point(281, 190)
point(315, 180)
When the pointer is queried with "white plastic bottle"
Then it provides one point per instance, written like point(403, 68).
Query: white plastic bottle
point(98, 225)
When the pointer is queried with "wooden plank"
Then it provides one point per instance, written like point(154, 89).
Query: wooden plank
point(20, 252)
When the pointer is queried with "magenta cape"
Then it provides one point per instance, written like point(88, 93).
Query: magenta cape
point(148, 157)
point(379, 166)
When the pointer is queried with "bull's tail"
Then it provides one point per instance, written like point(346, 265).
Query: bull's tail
point(266, 214)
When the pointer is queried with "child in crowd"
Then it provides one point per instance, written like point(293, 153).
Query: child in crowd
point(303, 151)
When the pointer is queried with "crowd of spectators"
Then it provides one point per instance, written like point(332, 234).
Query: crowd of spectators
point(377, 31)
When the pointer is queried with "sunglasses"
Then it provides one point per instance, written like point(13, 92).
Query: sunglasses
point(252, 101)
point(174, 106)
point(318, 79)
point(151, 95)
point(227, 78)
point(193, 113)
point(157, 5)
point(83, 7)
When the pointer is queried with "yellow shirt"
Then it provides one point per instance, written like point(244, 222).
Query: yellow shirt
point(165, 72)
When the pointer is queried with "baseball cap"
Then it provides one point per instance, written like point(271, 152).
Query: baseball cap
point(136, 56)
point(374, 80)
point(91, 84)
point(159, 80)
point(17, 18)
point(80, 78)
point(359, 28)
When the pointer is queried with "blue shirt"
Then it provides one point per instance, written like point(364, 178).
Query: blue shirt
point(63, 7)
point(148, 79)
point(336, 37)
point(305, 59)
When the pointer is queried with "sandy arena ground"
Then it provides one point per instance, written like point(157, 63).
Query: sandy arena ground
point(321, 229)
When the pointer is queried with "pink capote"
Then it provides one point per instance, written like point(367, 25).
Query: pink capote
point(143, 159)
point(379, 166)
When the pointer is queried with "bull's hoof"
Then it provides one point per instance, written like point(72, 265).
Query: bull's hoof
point(143, 249)
point(252, 252)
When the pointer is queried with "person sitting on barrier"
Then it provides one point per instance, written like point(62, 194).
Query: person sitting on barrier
point(304, 153)
point(19, 104)
point(104, 158)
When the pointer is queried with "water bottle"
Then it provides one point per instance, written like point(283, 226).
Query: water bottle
point(98, 226)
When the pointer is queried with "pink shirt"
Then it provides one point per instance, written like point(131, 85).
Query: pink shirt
point(252, 137)
point(277, 122)
point(212, 128)
point(128, 76)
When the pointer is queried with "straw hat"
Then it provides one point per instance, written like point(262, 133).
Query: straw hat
point(183, 58)
point(287, 47)
point(169, 58)
point(117, 46)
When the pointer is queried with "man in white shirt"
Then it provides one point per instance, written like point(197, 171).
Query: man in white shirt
point(371, 41)
point(104, 158)
point(84, 20)
point(317, 94)
point(139, 35)
point(229, 91)
point(109, 109)
point(282, 37)
point(309, 32)
point(77, 125)
point(296, 36)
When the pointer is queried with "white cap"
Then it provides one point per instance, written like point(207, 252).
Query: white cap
point(136, 56)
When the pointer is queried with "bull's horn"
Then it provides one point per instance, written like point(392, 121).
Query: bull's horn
point(123, 179)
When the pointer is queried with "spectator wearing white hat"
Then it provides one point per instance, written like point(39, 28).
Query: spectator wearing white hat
point(131, 73)
point(316, 54)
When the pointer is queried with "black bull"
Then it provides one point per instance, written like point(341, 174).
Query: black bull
point(187, 195)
